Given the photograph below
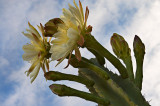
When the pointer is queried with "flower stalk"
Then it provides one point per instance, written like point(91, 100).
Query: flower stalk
point(92, 43)
point(100, 58)
point(85, 64)
point(57, 76)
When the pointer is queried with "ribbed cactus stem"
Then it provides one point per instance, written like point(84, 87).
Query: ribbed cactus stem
point(98, 71)
point(85, 64)
point(139, 52)
point(129, 66)
point(100, 58)
point(57, 76)
point(139, 74)
point(92, 43)
point(63, 90)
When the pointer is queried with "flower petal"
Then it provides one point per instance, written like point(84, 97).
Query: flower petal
point(32, 67)
point(58, 51)
point(33, 30)
point(30, 36)
point(67, 13)
point(29, 48)
point(60, 34)
point(59, 41)
point(63, 58)
point(72, 34)
point(30, 56)
point(81, 9)
point(35, 72)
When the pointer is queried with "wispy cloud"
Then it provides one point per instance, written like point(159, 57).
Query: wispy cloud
point(146, 24)
point(24, 93)
point(3, 61)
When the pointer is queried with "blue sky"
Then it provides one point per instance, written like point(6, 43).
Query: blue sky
point(126, 17)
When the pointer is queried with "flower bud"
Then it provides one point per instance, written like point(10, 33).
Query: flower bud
point(89, 29)
point(120, 46)
point(51, 26)
point(138, 47)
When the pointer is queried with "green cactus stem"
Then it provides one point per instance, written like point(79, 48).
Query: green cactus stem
point(128, 62)
point(119, 91)
point(107, 89)
point(92, 43)
point(57, 76)
point(85, 64)
point(139, 52)
point(139, 74)
point(63, 90)
point(100, 58)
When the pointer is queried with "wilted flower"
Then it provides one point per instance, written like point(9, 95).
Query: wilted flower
point(37, 52)
point(50, 27)
point(69, 35)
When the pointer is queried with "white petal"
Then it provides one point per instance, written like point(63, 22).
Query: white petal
point(29, 56)
point(75, 4)
point(35, 72)
point(75, 21)
point(62, 27)
point(63, 18)
point(67, 13)
point(58, 51)
point(60, 34)
point(63, 58)
point(30, 36)
point(33, 30)
point(72, 34)
point(29, 48)
point(71, 43)
point(76, 13)
point(59, 41)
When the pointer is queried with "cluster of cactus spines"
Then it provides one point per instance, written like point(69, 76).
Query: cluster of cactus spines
point(106, 88)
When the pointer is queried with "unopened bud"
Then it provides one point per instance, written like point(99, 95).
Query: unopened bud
point(89, 29)
point(139, 47)
point(120, 46)
point(51, 27)
point(58, 89)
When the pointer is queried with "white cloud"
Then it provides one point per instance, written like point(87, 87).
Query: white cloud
point(26, 94)
point(146, 24)
point(3, 62)
point(15, 18)
point(23, 92)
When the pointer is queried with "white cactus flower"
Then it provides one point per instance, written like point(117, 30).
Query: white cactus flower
point(69, 33)
point(36, 52)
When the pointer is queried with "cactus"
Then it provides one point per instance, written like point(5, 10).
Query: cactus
point(70, 32)
point(102, 83)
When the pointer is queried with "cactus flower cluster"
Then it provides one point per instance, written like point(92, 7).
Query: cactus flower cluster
point(61, 36)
